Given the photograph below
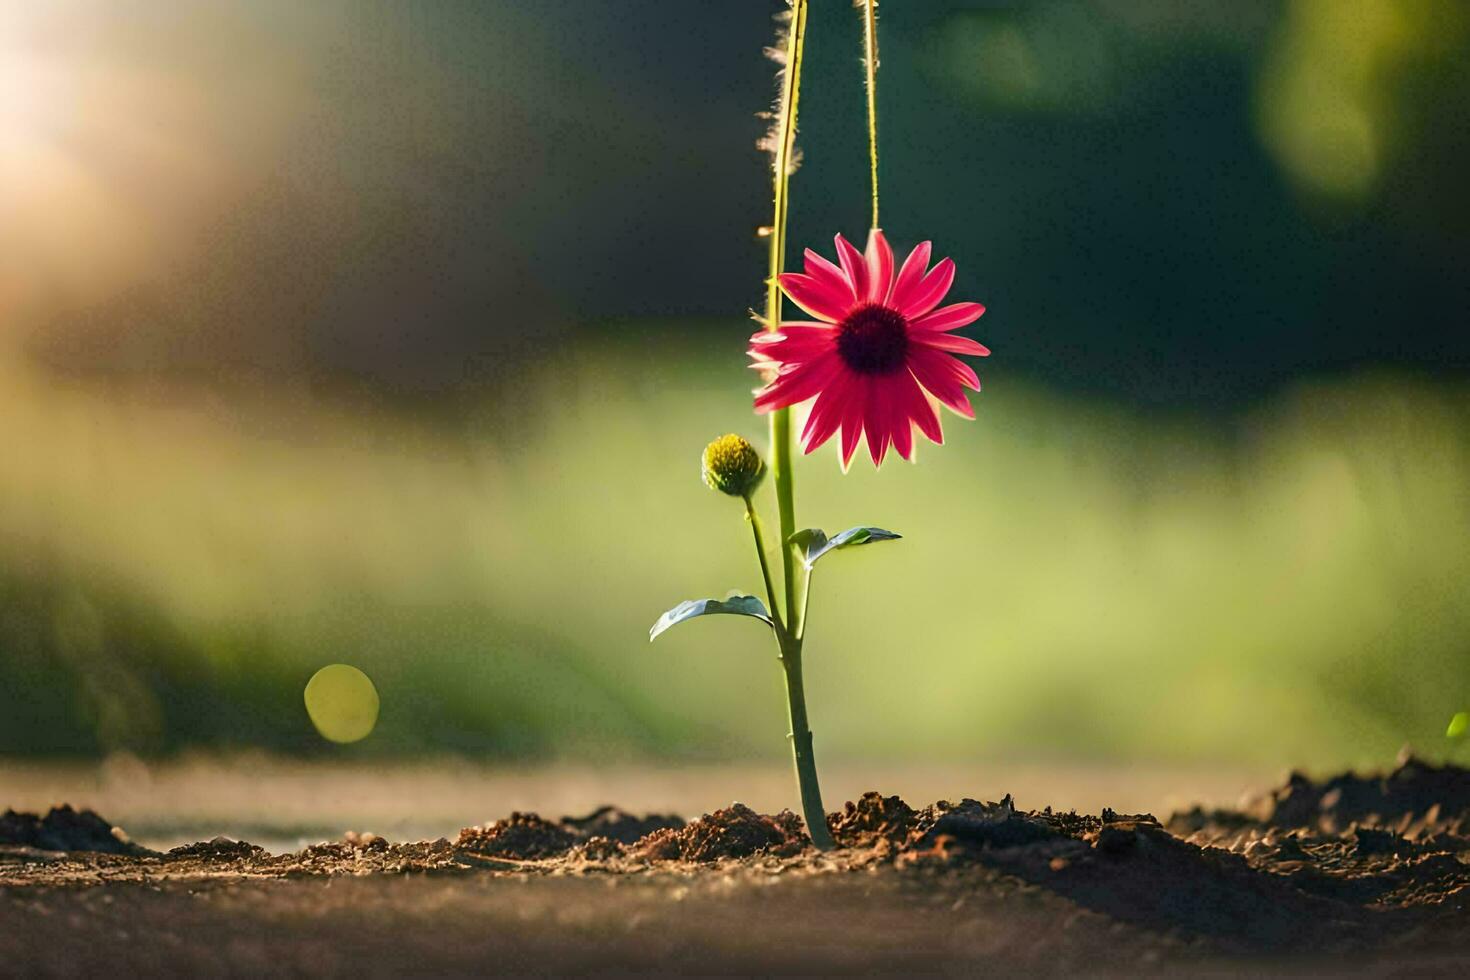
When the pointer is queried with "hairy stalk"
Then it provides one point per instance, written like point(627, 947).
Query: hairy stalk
point(782, 144)
point(782, 150)
point(870, 65)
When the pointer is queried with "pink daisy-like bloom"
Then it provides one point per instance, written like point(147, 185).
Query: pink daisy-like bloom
point(880, 355)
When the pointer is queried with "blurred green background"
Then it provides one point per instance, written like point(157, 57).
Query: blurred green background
point(389, 334)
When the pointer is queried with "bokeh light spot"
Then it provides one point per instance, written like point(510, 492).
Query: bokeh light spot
point(342, 703)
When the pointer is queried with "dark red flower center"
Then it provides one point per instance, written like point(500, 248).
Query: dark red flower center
point(873, 339)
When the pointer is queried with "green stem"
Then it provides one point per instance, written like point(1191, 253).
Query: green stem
point(801, 749)
point(760, 551)
point(786, 507)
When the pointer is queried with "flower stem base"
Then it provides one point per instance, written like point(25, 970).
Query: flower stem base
point(801, 752)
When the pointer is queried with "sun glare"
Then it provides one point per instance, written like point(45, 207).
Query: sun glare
point(115, 151)
point(63, 227)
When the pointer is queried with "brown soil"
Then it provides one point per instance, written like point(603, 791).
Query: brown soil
point(1353, 870)
point(607, 830)
point(734, 832)
point(65, 829)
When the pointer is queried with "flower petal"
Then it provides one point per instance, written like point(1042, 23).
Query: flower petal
point(944, 377)
point(791, 347)
point(793, 329)
point(964, 372)
point(855, 266)
point(798, 385)
point(901, 428)
point(826, 414)
point(949, 317)
point(852, 417)
point(879, 258)
point(912, 271)
point(803, 330)
point(828, 273)
point(795, 343)
point(919, 408)
point(951, 342)
point(876, 422)
point(822, 301)
point(797, 353)
point(919, 299)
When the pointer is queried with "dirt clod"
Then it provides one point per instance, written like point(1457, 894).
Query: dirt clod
point(601, 849)
point(734, 832)
point(218, 849)
point(975, 824)
point(521, 835)
point(65, 829)
point(873, 818)
point(1414, 795)
point(1116, 839)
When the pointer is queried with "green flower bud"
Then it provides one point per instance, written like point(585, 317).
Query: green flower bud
point(731, 465)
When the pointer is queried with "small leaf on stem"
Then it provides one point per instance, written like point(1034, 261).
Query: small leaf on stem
point(813, 544)
point(736, 605)
point(805, 540)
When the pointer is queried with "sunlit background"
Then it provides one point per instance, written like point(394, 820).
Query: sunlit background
point(389, 334)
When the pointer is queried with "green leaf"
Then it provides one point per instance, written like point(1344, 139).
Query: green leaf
point(814, 544)
point(736, 605)
point(1458, 725)
point(808, 539)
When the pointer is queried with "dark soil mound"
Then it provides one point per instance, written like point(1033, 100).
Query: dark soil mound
point(600, 850)
point(65, 829)
point(620, 825)
point(600, 835)
point(974, 824)
point(874, 818)
point(1416, 799)
point(888, 823)
point(1438, 797)
point(218, 849)
point(1396, 839)
point(521, 835)
point(734, 832)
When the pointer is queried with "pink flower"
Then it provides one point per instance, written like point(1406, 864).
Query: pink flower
point(880, 357)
